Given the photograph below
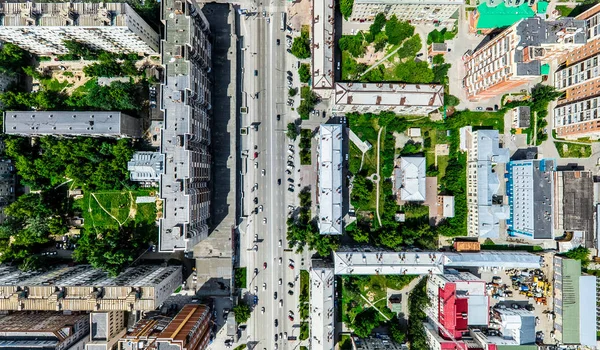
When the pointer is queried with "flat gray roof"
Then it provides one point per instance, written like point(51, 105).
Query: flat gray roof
point(99, 321)
point(146, 166)
point(323, 44)
point(67, 123)
point(322, 320)
point(330, 178)
point(389, 94)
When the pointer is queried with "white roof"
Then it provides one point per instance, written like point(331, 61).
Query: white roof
point(421, 263)
point(389, 94)
point(322, 308)
point(448, 206)
point(330, 178)
point(413, 178)
point(322, 44)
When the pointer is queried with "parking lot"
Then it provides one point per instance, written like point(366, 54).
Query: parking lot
point(524, 290)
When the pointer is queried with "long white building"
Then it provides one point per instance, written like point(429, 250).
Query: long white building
point(330, 193)
point(323, 14)
point(42, 28)
point(413, 99)
point(415, 11)
point(322, 311)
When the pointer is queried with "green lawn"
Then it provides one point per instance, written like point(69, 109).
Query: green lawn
point(484, 119)
point(564, 10)
point(114, 208)
point(442, 164)
point(573, 150)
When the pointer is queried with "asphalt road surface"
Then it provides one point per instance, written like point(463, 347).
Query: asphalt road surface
point(265, 91)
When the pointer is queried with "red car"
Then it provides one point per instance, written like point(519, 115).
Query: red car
point(291, 266)
point(265, 265)
point(255, 154)
point(291, 318)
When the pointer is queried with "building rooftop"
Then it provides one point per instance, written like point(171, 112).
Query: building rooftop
point(323, 44)
point(523, 116)
point(534, 33)
point(24, 14)
point(330, 178)
point(500, 16)
point(423, 263)
point(577, 203)
point(393, 2)
point(389, 94)
point(410, 178)
point(146, 166)
point(70, 123)
point(530, 198)
point(99, 321)
point(518, 325)
point(322, 320)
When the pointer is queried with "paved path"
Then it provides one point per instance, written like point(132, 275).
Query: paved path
point(385, 58)
point(375, 307)
point(378, 176)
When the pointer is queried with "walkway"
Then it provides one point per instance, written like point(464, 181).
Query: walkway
point(375, 307)
point(378, 176)
point(385, 58)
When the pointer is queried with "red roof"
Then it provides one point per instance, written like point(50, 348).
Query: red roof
point(451, 310)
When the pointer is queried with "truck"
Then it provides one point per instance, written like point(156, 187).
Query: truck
point(283, 21)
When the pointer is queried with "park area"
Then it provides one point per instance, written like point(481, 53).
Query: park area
point(114, 209)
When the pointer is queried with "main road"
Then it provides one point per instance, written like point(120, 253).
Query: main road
point(265, 184)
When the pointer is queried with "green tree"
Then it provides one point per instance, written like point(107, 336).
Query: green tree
point(397, 31)
point(580, 253)
point(380, 42)
point(438, 59)
point(397, 333)
point(353, 44)
point(365, 322)
point(361, 191)
point(378, 24)
point(410, 47)
point(301, 45)
point(292, 131)
point(242, 312)
point(451, 100)
point(414, 72)
point(12, 59)
point(293, 92)
point(346, 8)
point(304, 72)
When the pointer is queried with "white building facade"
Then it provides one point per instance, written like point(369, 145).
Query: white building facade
point(428, 11)
point(42, 28)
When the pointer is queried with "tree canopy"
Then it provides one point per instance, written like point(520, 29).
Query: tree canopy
point(12, 59)
point(378, 24)
point(365, 322)
point(353, 44)
point(410, 47)
point(346, 8)
point(301, 44)
point(304, 72)
point(414, 72)
point(397, 31)
point(94, 163)
point(242, 312)
point(580, 253)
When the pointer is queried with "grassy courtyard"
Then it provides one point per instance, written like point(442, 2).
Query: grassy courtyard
point(573, 150)
point(113, 209)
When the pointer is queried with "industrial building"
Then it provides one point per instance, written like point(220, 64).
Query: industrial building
point(529, 188)
point(575, 304)
point(414, 11)
point(517, 56)
point(188, 330)
point(413, 99)
point(323, 42)
point(146, 167)
point(483, 184)
point(42, 28)
point(71, 123)
point(83, 288)
point(330, 182)
point(51, 330)
point(409, 179)
point(428, 263)
point(574, 205)
point(185, 139)
point(106, 328)
point(322, 318)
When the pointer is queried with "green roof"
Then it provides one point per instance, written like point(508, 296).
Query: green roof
point(545, 69)
point(542, 7)
point(571, 271)
point(501, 16)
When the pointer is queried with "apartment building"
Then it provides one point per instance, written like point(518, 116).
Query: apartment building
point(106, 328)
point(190, 329)
point(185, 141)
point(83, 288)
point(517, 56)
point(49, 330)
point(70, 124)
point(42, 28)
point(414, 11)
point(485, 207)
point(412, 99)
point(322, 319)
point(576, 113)
point(323, 30)
point(330, 181)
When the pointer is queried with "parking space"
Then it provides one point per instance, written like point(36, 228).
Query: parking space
point(524, 291)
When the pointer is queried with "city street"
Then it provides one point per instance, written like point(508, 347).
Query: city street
point(266, 196)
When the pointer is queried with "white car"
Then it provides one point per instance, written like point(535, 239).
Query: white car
point(280, 281)
point(256, 165)
point(280, 243)
point(262, 311)
point(255, 248)
point(280, 260)
point(263, 172)
point(264, 221)
point(255, 289)
point(280, 302)
point(260, 208)
point(264, 286)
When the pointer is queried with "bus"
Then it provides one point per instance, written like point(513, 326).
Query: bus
point(283, 21)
